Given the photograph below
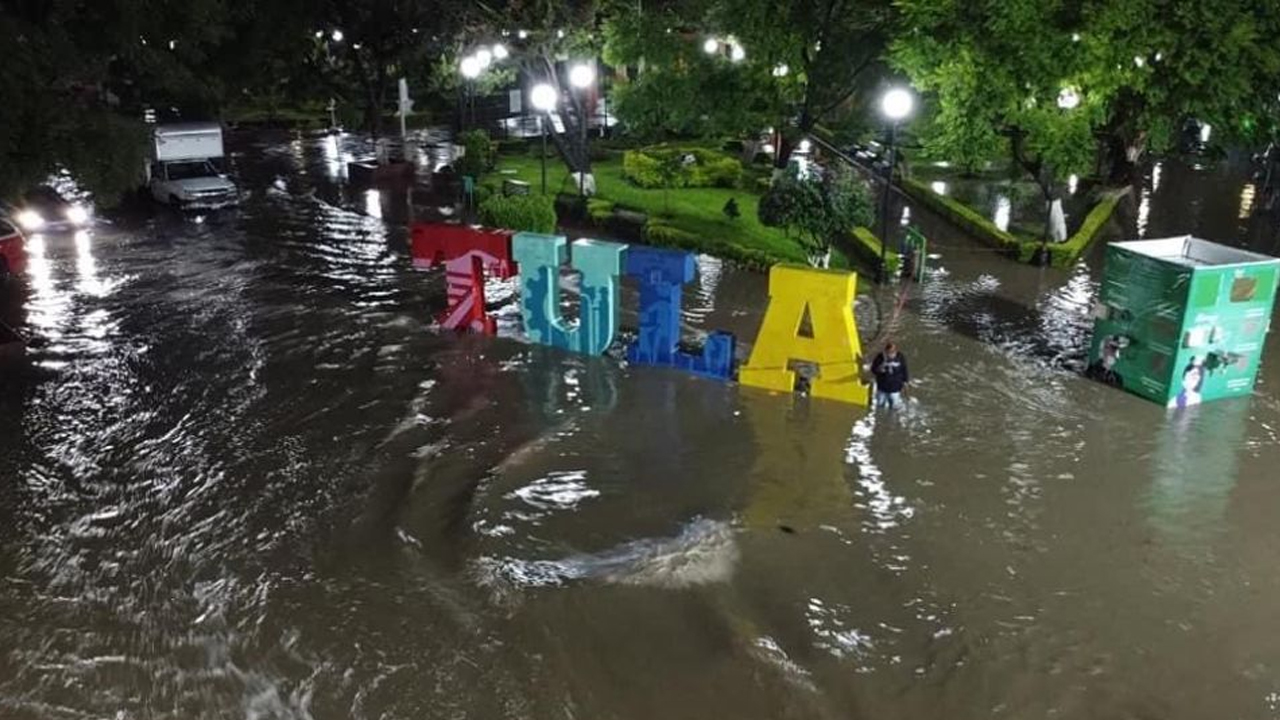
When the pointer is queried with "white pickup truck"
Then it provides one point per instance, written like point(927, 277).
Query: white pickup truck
point(181, 171)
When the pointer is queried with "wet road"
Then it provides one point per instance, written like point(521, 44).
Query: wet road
point(241, 478)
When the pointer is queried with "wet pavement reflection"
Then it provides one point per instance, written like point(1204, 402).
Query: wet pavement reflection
point(242, 477)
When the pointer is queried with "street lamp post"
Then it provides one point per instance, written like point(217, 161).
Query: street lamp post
point(896, 105)
point(581, 76)
point(470, 67)
point(543, 97)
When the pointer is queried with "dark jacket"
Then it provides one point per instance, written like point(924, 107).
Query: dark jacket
point(891, 375)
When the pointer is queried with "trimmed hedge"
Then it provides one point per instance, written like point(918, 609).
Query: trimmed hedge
point(1061, 254)
point(866, 248)
point(531, 213)
point(1065, 254)
point(600, 211)
point(963, 216)
point(657, 232)
point(709, 168)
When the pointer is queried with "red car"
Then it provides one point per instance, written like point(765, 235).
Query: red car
point(13, 251)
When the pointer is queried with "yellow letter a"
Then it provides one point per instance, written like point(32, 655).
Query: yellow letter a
point(834, 347)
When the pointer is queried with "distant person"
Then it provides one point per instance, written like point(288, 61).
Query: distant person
point(890, 371)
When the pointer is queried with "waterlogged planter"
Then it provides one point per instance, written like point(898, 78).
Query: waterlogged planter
point(1061, 255)
point(963, 216)
point(866, 248)
point(1065, 254)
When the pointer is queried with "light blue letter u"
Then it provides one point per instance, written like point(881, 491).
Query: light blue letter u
point(539, 258)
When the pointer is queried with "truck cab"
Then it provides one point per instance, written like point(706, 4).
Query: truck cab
point(182, 170)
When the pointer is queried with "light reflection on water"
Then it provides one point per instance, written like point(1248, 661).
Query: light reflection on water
point(256, 485)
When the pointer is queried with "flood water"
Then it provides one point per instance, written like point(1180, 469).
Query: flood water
point(242, 478)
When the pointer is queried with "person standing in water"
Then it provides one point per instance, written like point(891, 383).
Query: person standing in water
point(890, 371)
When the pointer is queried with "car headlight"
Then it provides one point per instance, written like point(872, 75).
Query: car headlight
point(77, 214)
point(30, 220)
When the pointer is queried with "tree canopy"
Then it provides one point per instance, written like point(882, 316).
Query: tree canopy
point(773, 63)
point(1134, 72)
point(816, 208)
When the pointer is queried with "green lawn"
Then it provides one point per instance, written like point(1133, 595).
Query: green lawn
point(699, 211)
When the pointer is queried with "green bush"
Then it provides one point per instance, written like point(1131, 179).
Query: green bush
point(962, 215)
point(1024, 249)
point(1063, 254)
point(478, 155)
point(723, 172)
point(663, 166)
point(866, 247)
point(641, 169)
point(483, 192)
point(660, 233)
point(657, 232)
point(531, 213)
point(600, 211)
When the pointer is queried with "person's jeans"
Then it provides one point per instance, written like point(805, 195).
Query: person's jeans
point(889, 400)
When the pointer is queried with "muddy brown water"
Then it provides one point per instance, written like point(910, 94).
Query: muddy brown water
point(242, 478)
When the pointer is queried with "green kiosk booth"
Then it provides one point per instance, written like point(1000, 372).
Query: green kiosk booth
point(1182, 320)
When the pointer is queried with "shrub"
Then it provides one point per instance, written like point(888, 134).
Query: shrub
point(731, 209)
point(478, 155)
point(662, 166)
point(657, 232)
point(643, 170)
point(483, 192)
point(816, 210)
point(962, 215)
point(531, 213)
point(600, 211)
point(724, 172)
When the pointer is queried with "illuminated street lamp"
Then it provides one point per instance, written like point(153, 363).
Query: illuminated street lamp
point(896, 104)
point(1068, 99)
point(336, 35)
point(500, 51)
point(544, 98)
point(711, 46)
point(470, 67)
point(581, 77)
point(484, 57)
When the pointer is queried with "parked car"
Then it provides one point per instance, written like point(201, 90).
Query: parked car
point(13, 250)
point(44, 209)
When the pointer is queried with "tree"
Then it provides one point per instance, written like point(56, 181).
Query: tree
point(549, 37)
point(1161, 63)
point(670, 87)
point(76, 76)
point(816, 209)
point(381, 41)
point(789, 65)
point(819, 56)
point(1004, 78)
